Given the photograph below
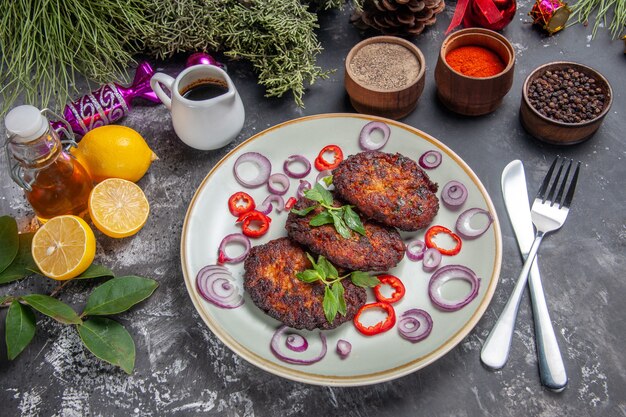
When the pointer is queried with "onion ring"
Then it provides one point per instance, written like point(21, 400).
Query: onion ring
point(281, 179)
point(218, 287)
point(297, 159)
point(415, 250)
point(263, 165)
point(233, 238)
point(266, 206)
point(277, 351)
point(296, 343)
point(365, 137)
point(454, 195)
point(304, 185)
point(415, 325)
point(463, 223)
point(445, 274)
point(343, 348)
point(432, 259)
point(323, 174)
point(430, 159)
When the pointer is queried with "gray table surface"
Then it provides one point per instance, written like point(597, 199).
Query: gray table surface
point(183, 369)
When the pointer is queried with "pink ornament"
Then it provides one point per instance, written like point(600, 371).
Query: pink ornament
point(201, 58)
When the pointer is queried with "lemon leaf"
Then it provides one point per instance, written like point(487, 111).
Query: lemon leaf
point(109, 341)
point(52, 307)
point(23, 263)
point(10, 241)
point(119, 294)
point(20, 328)
point(96, 271)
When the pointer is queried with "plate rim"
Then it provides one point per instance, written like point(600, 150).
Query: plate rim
point(373, 377)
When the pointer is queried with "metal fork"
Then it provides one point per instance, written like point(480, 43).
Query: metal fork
point(548, 214)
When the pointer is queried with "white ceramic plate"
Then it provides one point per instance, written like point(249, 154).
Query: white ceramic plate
point(248, 331)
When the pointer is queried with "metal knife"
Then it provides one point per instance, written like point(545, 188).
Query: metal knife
point(551, 367)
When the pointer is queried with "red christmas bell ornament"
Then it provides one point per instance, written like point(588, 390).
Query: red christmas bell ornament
point(476, 16)
point(488, 14)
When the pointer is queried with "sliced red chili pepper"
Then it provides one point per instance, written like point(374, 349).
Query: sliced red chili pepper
point(256, 218)
point(322, 164)
point(434, 231)
point(393, 282)
point(381, 326)
point(290, 203)
point(240, 203)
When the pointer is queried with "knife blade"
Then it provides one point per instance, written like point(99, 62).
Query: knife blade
point(551, 367)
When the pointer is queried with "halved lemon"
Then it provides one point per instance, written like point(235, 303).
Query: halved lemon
point(118, 207)
point(64, 247)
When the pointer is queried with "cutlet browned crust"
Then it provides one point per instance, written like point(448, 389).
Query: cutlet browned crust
point(379, 250)
point(270, 279)
point(392, 189)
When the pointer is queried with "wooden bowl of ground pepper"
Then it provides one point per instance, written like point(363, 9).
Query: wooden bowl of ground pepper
point(384, 76)
point(564, 103)
point(474, 71)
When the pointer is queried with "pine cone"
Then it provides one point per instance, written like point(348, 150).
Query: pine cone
point(398, 17)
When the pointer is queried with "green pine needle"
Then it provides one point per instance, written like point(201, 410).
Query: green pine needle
point(600, 9)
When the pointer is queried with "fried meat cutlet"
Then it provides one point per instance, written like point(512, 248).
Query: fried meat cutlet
point(379, 250)
point(270, 279)
point(390, 188)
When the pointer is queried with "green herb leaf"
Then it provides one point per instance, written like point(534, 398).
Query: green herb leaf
point(340, 226)
point(109, 341)
point(320, 194)
point(119, 294)
point(308, 276)
point(23, 263)
point(321, 219)
point(308, 255)
point(363, 279)
point(5, 298)
point(305, 211)
point(96, 271)
point(318, 269)
point(330, 304)
point(328, 180)
point(353, 221)
point(52, 307)
point(329, 270)
point(10, 241)
point(20, 328)
point(338, 291)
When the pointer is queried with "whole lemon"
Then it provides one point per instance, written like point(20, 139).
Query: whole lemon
point(114, 151)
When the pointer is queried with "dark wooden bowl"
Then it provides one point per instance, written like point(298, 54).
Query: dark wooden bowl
point(393, 104)
point(474, 96)
point(554, 131)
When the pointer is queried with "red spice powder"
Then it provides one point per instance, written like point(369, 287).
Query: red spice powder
point(475, 61)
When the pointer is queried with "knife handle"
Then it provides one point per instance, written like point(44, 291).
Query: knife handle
point(551, 367)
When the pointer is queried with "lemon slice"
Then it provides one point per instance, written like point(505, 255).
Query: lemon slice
point(118, 207)
point(64, 247)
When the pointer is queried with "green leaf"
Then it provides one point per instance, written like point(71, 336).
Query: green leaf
point(23, 264)
point(338, 290)
point(305, 211)
point(308, 276)
point(52, 307)
point(328, 180)
point(318, 269)
point(329, 270)
point(109, 341)
point(5, 298)
point(96, 271)
point(353, 221)
point(321, 219)
point(363, 279)
point(330, 304)
point(119, 294)
point(320, 194)
point(10, 241)
point(340, 226)
point(20, 328)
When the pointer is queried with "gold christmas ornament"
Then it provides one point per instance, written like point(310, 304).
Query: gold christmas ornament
point(398, 17)
point(551, 15)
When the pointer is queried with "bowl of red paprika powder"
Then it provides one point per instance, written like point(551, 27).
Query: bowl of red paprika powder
point(474, 71)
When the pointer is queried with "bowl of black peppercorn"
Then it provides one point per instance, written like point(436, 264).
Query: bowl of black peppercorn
point(564, 103)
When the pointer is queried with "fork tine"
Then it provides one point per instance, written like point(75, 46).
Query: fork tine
point(559, 196)
point(572, 187)
point(555, 182)
point(546, 181)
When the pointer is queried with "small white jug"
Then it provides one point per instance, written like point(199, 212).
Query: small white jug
point(202, 123)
